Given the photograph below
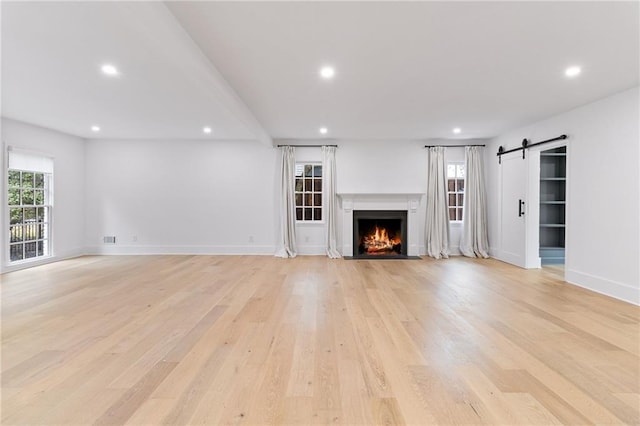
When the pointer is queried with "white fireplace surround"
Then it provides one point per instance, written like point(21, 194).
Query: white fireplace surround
point(409, 202)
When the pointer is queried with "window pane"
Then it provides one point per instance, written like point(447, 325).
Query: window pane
point(14, 179)
point(15, 234)
point(40, 248)
point(39, 180)
point(317, 185)
point(460, 200)
point(317, 171)
point(451, 185)
point(459, 214)
point(317, 214)
point(41, 234)
point(14, 197)
point(29, 214)
point(41, 214)
point(299, 169)
point(460, 170)
point(27, 180)
point(27, 196)
point(30, 231)
point(33, 232)
point(317, 199)
point(461, 185)
point(299, 185)
point(451, 170)
point(39, 198)
point(298, 199)
point(16, 215)
point(299, 214)
point(308, 170)
point(308, 199)
point(452, 199)
point(307, 213)
point(16, 252)
point(452, 214)
point(308, 185)
point(30, 250)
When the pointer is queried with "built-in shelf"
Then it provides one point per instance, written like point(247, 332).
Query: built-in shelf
point(553, 169)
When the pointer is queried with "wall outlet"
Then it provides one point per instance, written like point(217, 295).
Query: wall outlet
point(134, 238)
point(250, 238)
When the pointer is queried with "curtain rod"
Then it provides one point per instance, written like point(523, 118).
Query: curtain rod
point(451, 146)
point(307, 146)
point(525, 145)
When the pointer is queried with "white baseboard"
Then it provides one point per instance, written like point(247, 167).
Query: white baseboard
point(604, 286)
point(311, 250)
point(118, 249)
point(508, 257)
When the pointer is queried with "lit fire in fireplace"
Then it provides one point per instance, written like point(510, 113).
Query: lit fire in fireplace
point(378, 242)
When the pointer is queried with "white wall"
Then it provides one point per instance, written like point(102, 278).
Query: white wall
point(380, 167)
point(68, 177)
point(603, 225)
point(394, 167)
point(214, 197)
point(181, 197)
point(3, 190)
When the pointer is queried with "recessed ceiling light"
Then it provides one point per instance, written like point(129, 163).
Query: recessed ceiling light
point(327, 72)
point(109, 69)
point(207, 130)
point(572, 71)
point(323, 130)
point(95, 129)
point(457, 130)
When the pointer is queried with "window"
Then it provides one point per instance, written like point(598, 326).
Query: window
point(308, 192)
point(29, 214)
point(455, 190)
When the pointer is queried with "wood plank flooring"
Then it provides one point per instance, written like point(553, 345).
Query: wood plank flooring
point(190, 340)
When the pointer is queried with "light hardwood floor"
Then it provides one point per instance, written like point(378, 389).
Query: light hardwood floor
point(258, 340)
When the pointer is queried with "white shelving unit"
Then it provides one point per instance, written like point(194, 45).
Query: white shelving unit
point(553, 176)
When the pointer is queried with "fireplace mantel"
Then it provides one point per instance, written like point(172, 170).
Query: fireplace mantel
point(409, 201)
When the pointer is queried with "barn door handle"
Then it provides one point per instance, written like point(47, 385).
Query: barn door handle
point(520, 208)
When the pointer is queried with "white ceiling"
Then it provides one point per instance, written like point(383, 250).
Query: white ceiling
point(404, 70)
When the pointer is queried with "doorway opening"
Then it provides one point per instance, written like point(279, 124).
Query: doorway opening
point(553, 201)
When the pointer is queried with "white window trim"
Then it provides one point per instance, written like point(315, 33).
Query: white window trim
point(48, 203)
point(311, 222)
point(456, 223)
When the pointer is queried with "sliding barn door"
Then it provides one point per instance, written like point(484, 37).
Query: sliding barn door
point(513, 209)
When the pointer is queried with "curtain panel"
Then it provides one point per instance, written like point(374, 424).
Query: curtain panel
point(474, 241)
point(287, 240)
point(330, 200)
point(437, 215)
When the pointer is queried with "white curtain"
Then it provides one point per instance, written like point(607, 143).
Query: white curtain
point(287, 243)
point(474, 241)
point(330, 201)
point(437, 225)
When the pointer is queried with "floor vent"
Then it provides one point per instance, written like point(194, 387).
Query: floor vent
point(109, 240)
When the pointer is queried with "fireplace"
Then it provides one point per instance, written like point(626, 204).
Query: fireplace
point(380, 234)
